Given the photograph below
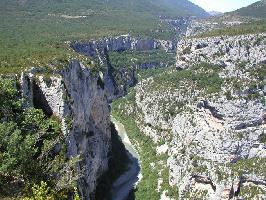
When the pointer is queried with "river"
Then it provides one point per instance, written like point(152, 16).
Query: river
point(128, 180)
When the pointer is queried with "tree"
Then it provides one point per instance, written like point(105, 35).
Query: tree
point(27, 143)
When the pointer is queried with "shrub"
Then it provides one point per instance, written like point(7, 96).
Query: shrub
point(228, 95)
point(27, 140)
point(41, 192)
point(262, 138)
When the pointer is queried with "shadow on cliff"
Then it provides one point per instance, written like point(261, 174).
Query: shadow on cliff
point(131, 195)
point(118, 164)
point(39, 100)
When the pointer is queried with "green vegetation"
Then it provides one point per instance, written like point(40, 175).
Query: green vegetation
point(250, 192)
point(249, 166)
point(196, 194)
point(147, 187)
point(43, 192)
point(255, 82)
point(259, 72)
point(150, 165)
point(136, 65)
point(228, 95)
point(198, 165)
point(247, 28)
point(34, 32)
point(187, 50)
point(203, 76)
point(147, 73)
point(27, 148)
point(132, 58)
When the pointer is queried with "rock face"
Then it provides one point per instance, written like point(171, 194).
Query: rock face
point(210, 142)
point(223, 51)
point(210, 146)
point(121, 43)
point(215, 140)
point(179, 25)
point(78, 99)
point(118, 80)
point(198, 26)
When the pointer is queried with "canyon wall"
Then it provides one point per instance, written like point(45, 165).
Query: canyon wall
point(79, 100)
point(209, 117)
point(224, 51)
point(121, 43)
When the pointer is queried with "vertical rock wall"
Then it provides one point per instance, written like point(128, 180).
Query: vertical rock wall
point(79, 100)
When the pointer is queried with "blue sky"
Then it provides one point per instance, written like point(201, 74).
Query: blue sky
point(222, 5)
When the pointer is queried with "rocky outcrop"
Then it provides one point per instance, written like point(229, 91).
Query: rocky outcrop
point(213, 145)
point(121, 43)
point(199, 26)
point(222, 51)
point(119, 79)
point(178, 24)
point(215, 141)
point(78, 99)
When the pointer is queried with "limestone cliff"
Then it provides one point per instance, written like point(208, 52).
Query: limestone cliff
point(119, 78)
point(199, 26)
point(121, 43)
point(78, 99)
point(209, 118)
point(224, 51)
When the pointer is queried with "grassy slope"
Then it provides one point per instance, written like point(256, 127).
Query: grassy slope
point(33, 32)
point(130, 58)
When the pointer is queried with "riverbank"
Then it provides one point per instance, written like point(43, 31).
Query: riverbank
point(128, 180)
point(154, 184)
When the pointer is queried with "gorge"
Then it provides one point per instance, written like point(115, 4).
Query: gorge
point(131, 100)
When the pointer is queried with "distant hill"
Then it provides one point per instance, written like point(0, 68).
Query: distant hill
point(178, 7)
point(257, 10)
point(34, 31)
point(114, 16)
point(215, 13)
point(167, 7)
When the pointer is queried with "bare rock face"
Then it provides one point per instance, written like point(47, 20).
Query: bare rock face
point(214, 150)
point(198, 26)
point(78, 99)
point(212, 146)
point(223, 51)
point(121, 43)
point(215, 141)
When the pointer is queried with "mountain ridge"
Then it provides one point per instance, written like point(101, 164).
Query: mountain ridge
point(215, 13)
point(255, 10)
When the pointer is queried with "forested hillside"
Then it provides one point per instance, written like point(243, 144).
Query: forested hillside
point(34, 32)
